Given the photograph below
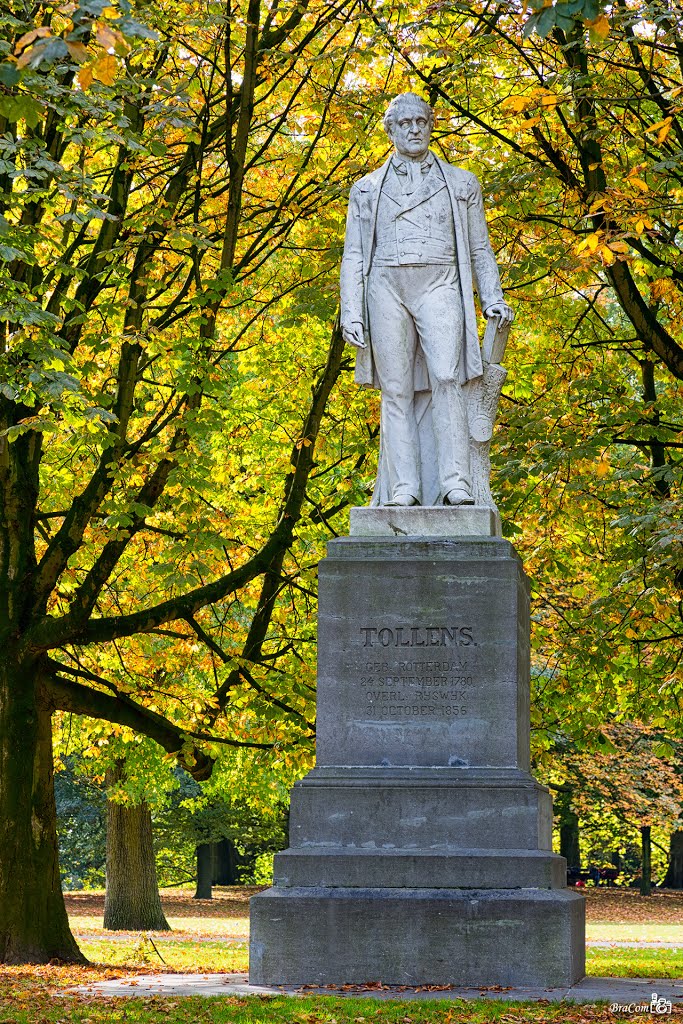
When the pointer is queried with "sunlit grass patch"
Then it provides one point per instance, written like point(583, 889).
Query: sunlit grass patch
point(634, 931)
point(169, 954)
point(635, 963)
point(231, 927)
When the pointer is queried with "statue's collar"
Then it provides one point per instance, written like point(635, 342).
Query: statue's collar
point(401, 166)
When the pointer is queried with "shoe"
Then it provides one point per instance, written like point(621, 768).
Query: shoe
point(403, 500)
point(458, 496)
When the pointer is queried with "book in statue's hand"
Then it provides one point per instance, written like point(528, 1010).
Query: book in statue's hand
point(495, 340)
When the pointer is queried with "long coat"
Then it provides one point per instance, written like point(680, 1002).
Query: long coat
point(476, 265)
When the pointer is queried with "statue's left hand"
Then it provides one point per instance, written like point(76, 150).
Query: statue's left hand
point(502, 311)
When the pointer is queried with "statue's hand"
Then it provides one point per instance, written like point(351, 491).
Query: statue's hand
point(354, 335)
point(502, 311)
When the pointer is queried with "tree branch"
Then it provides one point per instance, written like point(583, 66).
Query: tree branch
point(65, 695)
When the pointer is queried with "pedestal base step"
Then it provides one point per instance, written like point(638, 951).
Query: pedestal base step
point(420, 936)
point(425, 521)
point(462, 869)
point(420, 809)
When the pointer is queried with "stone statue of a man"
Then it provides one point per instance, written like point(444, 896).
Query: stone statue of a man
point(416, 247)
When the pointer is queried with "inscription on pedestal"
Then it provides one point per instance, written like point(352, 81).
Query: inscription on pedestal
point(417, 636)
point(400, 688)
point(421, 668)
point(412, 688)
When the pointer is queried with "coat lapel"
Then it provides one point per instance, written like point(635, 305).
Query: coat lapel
point(433, 184)
point(375, 190)
point(471, 365)
point(391, 187)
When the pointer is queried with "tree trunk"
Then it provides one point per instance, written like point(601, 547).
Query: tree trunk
point(646, 876)
point(34, 927)
point(132, 901)
point(217, 864)
point(570, 846)
point(204, 872)
point(226, 863)
point(674, 873)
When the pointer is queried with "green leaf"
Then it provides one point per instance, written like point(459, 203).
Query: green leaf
point(136, 29)
point(8, 253)
point(9, 73)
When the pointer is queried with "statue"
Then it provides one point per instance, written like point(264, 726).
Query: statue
point(416, 246)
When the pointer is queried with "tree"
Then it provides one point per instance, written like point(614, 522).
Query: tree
point(81, 826)
point(146, 192)
point(222, 835)
point(132, 901)
point(570, 835)
point(217, 864)
point(674, 874)
point(604, 165)
point(646, 860)
point(634, 782)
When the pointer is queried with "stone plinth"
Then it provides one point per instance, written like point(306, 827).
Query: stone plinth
point(420, 846)
point(333, 935)
point(425, 521)
point(429, 809)
point(423, 654)
point(427, 869)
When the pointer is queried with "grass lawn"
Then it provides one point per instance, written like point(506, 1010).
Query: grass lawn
point(306, 1010)
point(211, 936)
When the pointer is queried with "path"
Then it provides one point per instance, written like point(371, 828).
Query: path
point(625, 991)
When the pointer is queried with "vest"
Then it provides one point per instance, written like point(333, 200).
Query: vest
point(414, 228)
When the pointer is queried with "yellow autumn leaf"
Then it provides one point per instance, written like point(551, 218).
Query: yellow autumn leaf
point(514, 103)
point(658, 124)
point(104, 69)
point(602, 468)
point(529, 123)
point(600, 26)
point(30, 37)
point(639, 183)
point(110, 38)
point(593, 241)
point(85, 77)
point(640, 227)
point(660, 288)
point(608, 256)
point(77, 51)
point(664, 131)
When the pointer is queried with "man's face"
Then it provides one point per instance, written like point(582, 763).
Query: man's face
point(410, 130)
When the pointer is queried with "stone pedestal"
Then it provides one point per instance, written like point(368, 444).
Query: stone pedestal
point(420, 846)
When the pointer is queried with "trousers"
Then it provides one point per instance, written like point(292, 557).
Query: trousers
point(411, 306)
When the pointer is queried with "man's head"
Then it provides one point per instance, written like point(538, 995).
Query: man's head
point(408, 122)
